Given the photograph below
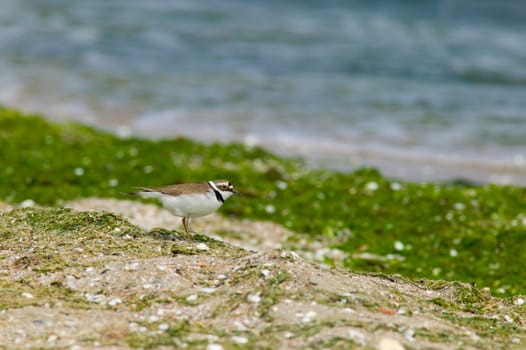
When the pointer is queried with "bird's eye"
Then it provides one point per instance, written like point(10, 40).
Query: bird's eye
point(223, 187)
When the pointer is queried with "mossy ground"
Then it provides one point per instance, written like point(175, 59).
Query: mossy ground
point(441, 231)
point(92, 279)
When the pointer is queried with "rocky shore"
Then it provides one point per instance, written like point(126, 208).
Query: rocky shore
point(307, 258)
point(89, 278)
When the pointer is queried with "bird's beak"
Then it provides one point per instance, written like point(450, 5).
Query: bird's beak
point(236, 192)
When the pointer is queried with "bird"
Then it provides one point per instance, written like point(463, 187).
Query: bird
point(191, 199)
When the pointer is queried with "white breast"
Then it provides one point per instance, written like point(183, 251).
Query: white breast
point(191, 206)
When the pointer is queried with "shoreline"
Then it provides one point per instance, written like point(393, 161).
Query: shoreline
point(395, 163)
point(484, 167)
point(362, 213)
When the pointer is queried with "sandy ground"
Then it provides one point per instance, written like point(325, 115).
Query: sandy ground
point(250, 235)
point(267, 298)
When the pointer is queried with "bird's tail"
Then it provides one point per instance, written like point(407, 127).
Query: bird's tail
point(143, 192)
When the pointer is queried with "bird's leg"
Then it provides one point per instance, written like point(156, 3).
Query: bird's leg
point(185, 224)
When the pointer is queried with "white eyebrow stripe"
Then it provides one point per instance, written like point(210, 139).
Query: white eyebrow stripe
point(219, 197)
point(213, 185)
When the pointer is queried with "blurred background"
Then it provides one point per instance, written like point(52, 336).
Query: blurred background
point(423, 90)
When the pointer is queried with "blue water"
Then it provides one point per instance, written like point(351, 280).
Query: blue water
point(421, 89)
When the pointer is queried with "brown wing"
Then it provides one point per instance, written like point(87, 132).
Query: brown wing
point(176, 190)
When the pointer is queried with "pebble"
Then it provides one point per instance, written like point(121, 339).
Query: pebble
point(309, 316)
point(270, 209)
point(27, 203)
point(409, 334)
point(357, 336)
point(131, 266)
point(191, 298)
point(395, 186)
point(459, 206)
point(70, 282)
point(99, 298)
point(208, 290)
point(399, 245)
point(282, 185)
point(239, 340)
point(214, 347)
point(254, 298)
point(52, 338)
point(115, 301)
point(389, 344)
point(78, 171)
point(202, 246)
point(371, 186)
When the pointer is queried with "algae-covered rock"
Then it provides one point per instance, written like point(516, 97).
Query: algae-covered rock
point(91, 278)
point(364, 221)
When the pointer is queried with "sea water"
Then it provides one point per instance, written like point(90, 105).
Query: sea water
point(423, 90)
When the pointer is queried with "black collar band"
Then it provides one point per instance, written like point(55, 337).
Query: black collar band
point(216, 191)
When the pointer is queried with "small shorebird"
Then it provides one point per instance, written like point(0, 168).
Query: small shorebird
point(190, 200)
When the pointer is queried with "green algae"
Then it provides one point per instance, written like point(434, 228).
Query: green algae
point(442, 231)
point(171, 336)
point(22, 293)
